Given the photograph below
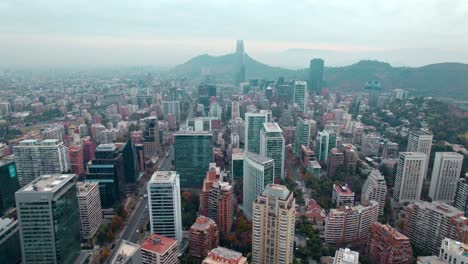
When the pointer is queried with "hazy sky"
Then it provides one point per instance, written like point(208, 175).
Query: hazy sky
point(65, 32)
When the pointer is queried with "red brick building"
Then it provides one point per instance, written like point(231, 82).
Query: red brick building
point(75, 153)
point(203, 237)
point(386, 246)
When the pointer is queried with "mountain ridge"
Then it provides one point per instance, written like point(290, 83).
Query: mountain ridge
point(447, 79)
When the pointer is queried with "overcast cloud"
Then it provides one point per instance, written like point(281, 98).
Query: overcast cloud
point(168, 32)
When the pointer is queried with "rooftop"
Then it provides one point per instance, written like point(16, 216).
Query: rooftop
point(421, 133)
point(276, 190)
point(106, 147)
point(456, 247)
point(223, 255)
point(158, 244)
point(202, 223)
point(7, 160)
point(315, 164)
point(258, 158)
point(83, 188)
point(125, 251)
point(5, 223)
point(441, 208)
point(343, 190)
point(163, 176)
point(272, 127)
point(47, 183)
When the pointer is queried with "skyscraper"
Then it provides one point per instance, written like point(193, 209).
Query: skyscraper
point(89, 203)
point(460, 200)
point(426, 224)
point(410, 177)
point(239, 75)
point(272, 146)
point(8, 183)
point(49, 219)
point(375, 189)
point(322, 146)
point(273, 225)
point(258, 172)
point(445, 175)
point(350, 224)
point(34, 158)
point(421, 141)
point(107, 169)
point(151, 137)
point(75, 154)
point(171, 107)
point(237, 163)
point(316, 76)
point(216, 199)
point(387, 246)
point(253, 126)
point(193, 151)
point(300, 96)
point(334, 161)
point(164, 205)
point(204, 236)
point(302, 135)
point(10, 246)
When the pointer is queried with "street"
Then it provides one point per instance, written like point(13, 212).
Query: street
point(140, 214)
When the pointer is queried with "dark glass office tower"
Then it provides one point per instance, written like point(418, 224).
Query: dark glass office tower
point(8, 184)
point(193, 151)
point(108, 170)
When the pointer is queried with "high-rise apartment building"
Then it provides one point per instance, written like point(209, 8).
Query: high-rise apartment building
point(204, 236)
point(460, 201)
point(300, 96)
point(426, 224)
point(54, 132)
point(390, 150)
point(49, 219)
point(421, 141)
point(375, 189)
point(107, 169)
point(258, 172)
point(34, 158)
point(273, 225)
point(171, 107)
point(350, 224)
point(89, 202)
point(342, 195)
point(75, 154)
point(370, 145)
point(453, 252)
point(316, 76)
point(164, 205)
point(193, 151)
point(253, 126)
point(216, 199)
point(235, 109)
point(334, 161)
point(387, 246)
point(221, 255)
point(8, 183)
point(445, 174)
point(302, 136)
point(346, 256)
point(157, 249)
point(272, 146)
point(322, 145)
point(409, 177)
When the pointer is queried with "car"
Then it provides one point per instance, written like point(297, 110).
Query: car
point(137, 231)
